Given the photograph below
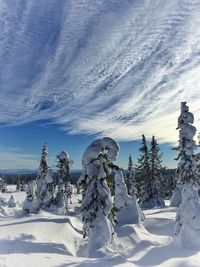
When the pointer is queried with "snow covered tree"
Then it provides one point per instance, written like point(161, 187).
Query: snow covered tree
point(42, 172)
point(48, 190)
point(97, 202)
point(144, 175)
point(131, 179)
point(157, 180)
point(176, 198)
point(188, 214)
point(64, 187)
point(2, 185)
point(187, 167)
point(20, 184)
point(12, 202)
point(128, 209)
point(30, 205)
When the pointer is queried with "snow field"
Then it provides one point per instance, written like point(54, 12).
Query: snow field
point(47, 239)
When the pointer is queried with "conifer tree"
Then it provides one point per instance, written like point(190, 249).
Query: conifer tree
point(97, 202)
point(48, 190)
point(40, 179)
point(131, 179)
point(188, 214)
point(144, 175)
point(64, 187)
point(157, 181)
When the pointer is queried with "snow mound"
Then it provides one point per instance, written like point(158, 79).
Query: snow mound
point(188, 218)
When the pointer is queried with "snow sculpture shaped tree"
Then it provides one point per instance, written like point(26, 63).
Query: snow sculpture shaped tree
point(30, 205)
point(97, 203)
point(188, 215)
point(64, 187)
point(187, 170)
point(129, 211)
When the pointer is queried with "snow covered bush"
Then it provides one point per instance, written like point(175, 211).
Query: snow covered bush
point(188, 214)
point(97, 202)
point(30, 205)
point(129, 211)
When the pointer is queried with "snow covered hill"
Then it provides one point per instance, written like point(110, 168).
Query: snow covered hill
point(51, 240)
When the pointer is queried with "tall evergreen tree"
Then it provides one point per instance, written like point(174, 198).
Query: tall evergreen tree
point(131, 179)
point(157, 179)
point(42, 172)
point(144, 174)
point(188, 214)
point(64, 187)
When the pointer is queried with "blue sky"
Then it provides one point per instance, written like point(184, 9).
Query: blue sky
point(21, 146)
point(92, 69)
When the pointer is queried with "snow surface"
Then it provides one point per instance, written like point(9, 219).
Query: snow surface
point(51, 240)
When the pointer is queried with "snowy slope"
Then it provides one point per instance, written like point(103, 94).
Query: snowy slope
point(130, 62)
point(48, 239)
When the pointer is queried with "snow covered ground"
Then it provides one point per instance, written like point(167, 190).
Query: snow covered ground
point(47, 239)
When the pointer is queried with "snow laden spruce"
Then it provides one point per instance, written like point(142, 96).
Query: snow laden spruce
point(64, 187)
point(188, 215)
point(97, 204)
point(51, 192)
point(130, 179)
point(150, 180)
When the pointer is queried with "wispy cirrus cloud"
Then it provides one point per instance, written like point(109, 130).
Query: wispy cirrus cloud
point(118, 68)
point(17, 159)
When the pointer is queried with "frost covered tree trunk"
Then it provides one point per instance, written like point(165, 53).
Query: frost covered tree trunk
point(97, 202)
point(188, 214)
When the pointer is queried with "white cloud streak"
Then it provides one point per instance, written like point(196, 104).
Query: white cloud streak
point(118, 68)
point(17, 159)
